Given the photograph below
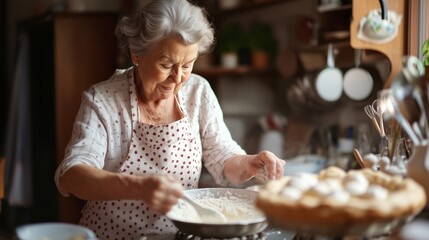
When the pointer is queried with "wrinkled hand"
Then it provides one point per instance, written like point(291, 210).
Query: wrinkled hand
point(267, 166)
point(161, 192)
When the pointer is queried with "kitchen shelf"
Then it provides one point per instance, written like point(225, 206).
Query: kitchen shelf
point(217, 71)
point(332, 8)
point(323, 47)
point(248, 6)
point(334, 23)
point(336, 35)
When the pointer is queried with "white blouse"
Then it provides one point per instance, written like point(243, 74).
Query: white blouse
point(103, 126)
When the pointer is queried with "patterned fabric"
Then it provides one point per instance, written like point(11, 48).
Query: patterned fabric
point(168, 149)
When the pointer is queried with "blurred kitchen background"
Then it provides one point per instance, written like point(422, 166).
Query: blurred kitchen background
point(264, 67)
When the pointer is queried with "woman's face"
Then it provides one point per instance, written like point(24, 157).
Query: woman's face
point(164, 70)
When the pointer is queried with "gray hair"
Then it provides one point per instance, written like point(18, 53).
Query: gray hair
point(161, 19)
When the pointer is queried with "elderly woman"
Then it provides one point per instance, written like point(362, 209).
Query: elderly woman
point(141, 137)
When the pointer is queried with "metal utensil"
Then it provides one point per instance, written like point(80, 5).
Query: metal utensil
point(391, 105)
point(358, 82)
point(370, 113)
point(378, 111)
point(383, 7)
point(207, 214)
point(423, 105)
point(373, 114)
point(407, 97)
point(329, 82)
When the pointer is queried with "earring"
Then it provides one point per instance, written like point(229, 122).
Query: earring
point(136, 64)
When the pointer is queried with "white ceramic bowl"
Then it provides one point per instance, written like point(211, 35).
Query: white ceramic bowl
point(377, 28)
point(54, 231)
point(374, 29)
point(304, 163)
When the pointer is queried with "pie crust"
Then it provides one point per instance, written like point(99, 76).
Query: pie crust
point(315, 210)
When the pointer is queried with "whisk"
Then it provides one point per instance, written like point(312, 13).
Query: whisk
point(373, 115)
point(370, 113)
point(377, 109)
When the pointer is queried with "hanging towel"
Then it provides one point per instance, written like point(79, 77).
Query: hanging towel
point(18, 152)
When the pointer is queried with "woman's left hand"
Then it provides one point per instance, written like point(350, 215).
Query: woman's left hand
point(267, 166)
point(263, 166)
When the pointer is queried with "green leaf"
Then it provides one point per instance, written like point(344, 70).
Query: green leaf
point(230, 38)
point(425, 52)
point(261, 37)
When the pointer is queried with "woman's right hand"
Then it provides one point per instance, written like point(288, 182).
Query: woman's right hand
point(161, 192)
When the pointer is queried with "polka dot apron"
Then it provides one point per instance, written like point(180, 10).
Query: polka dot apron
point(165, 149)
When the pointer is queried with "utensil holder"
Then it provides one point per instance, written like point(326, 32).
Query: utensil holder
point(418, 166)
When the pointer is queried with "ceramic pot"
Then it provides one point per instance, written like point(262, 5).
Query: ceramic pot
point(260, 59)
point(94, 5)
point(228, 4)
point(418, 166)
point(229, 60)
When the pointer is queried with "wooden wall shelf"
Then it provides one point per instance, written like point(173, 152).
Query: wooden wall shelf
point(333, 9)
point(393, 50)
point(250, 5)
point(217, 71)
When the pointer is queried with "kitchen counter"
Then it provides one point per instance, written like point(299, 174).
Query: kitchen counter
point(279, 234)
point(269, 234)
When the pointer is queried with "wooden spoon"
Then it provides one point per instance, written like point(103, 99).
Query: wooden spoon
point(359, 159)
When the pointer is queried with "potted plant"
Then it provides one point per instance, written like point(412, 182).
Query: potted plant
point(262, 44)
point(228, 45)
point(425, 54)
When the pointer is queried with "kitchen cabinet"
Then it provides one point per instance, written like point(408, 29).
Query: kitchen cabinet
point(394, 49)
point(68, 53)
point(84, 53)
